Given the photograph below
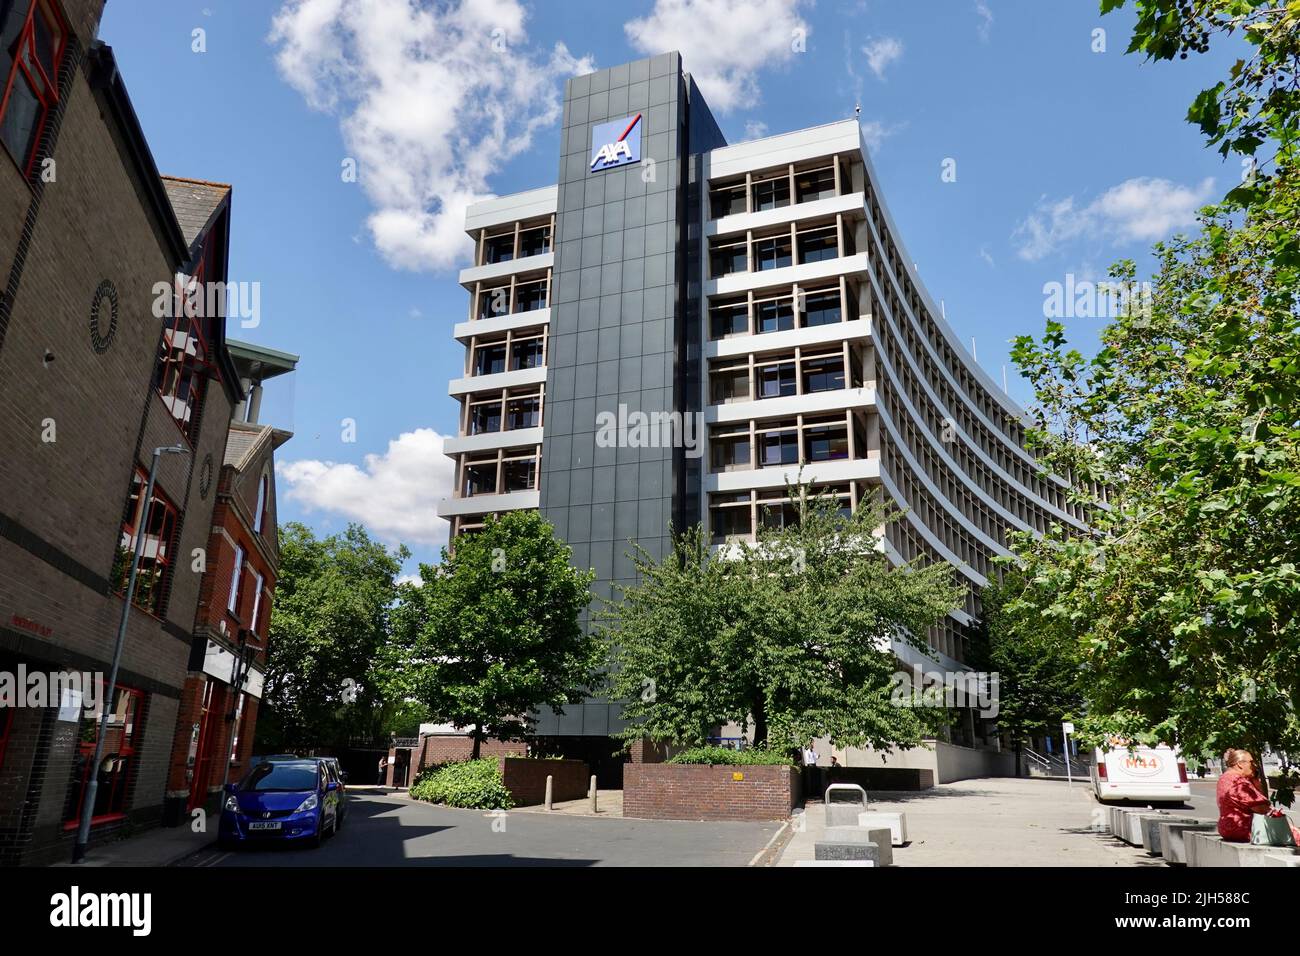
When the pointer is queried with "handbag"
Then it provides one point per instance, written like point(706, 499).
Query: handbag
point(1269, 830)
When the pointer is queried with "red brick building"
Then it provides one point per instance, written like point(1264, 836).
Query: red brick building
point(97, 368)
point(215, 727)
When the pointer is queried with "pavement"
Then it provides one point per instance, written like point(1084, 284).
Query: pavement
point(393, 830)
point(997, 821)
point(158, 846)
point(609, 803)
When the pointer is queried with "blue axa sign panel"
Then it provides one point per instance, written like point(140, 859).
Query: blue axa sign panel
point(616, 143)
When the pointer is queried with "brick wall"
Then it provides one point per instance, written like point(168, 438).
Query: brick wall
point(695, 792)
point(444, 748)
point(526, 779)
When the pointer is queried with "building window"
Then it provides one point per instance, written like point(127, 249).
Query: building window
point(155, 553)
point(729, 383)
point(823, 373)
point(499, 248)
point(776, 380)
point(730, 452)
point(35, 32)
point(827, 442)
point(255, 623)
point(263, 495)
point(526, 352)
point(530, 296)
point(817, 245)
point(729, 517)
point(494, 301)
point(524, 412)
point(118, 760)
point(519, 474)
point(236, 582)
point(534, 242)
point(815, 184)
point(727, 200)
point(822, 308)
point(728, 318)
point(772, 193)
point(772, 253)
point(485, 417)
point(726, 258)
point(773, 315)
point(489, 358)
point(480, 477)
point(779, 447)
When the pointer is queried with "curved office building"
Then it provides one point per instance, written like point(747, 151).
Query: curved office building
point(755, 301)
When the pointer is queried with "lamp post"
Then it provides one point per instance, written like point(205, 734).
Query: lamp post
point(106, 704)
point(245, 651)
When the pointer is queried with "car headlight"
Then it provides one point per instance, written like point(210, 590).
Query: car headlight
point(311, 803)
point(232, 804)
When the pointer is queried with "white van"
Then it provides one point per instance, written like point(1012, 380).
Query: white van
point(1140, 773)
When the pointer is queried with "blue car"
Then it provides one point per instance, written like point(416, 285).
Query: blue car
point(283, 800)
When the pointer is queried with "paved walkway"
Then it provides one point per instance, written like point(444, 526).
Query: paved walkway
point(159, 846)
point(998, 821)
point(609, 803)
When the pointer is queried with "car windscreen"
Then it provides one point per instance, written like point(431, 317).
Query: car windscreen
point(281, 776)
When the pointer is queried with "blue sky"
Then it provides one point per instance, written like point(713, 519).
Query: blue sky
point(1066, 159)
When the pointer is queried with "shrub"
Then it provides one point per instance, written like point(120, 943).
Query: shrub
point(726, 756)
point(472, 784)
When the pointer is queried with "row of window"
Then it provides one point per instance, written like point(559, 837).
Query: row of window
point(736, 516)
point(772, 311)
point(518, 241)
point(805, 371)
point(511, 352)
point(499, 472)
point(800, 242)
point(33, 41)
point(506, 410)
point(774, 189)
point(780, 442)
point(519, 294)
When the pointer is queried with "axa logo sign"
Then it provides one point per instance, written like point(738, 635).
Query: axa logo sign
point(616, 143)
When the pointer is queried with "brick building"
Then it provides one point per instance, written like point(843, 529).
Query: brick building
point(97, 368)
point(230, 630)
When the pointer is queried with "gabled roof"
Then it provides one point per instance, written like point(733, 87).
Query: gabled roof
point(245, 441)
point(195, 202)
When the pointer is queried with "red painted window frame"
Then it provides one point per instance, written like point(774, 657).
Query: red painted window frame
point(126, 750)
point(192, 323)
point(171, 515)
point(26, 43)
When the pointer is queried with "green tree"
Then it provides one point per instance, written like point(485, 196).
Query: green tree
point(493, 632)
point(329, 622)
point(788, 635)
point(1182, 433)
point(1036, 658)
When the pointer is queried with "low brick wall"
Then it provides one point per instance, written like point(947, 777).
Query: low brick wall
point(526, 779)
point(665, 791)
point(452, 748)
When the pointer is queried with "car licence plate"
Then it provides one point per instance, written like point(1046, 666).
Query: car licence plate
point(264, 825)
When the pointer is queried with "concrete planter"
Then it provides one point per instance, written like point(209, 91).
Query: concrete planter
point(665, 791)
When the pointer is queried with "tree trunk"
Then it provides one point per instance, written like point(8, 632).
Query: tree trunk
point(760, 724)
point(478, 737)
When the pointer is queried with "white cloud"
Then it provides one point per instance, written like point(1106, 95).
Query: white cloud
point(987, 257)
point(881, 52)
point(395, 495)
point(431, 100)
point(754, 129)
point(724, 43)
point(875, 132)
point(1142, 209)
point(985, 26)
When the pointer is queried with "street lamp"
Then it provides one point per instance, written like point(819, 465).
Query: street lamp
point(245, 652)
point(92, 785)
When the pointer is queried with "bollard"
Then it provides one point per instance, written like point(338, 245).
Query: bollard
point(549, 780)
point(592, 793)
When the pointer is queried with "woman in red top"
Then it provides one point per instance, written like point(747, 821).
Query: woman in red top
point(1239, 796)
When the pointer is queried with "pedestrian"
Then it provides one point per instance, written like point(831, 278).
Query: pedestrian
point(1240, 796)
point(810, 773)
point(383, 767)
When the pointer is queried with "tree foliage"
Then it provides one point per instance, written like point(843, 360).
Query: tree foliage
point(493, 632)
point(1186, 598)
point(333, 601)
point(788, 635)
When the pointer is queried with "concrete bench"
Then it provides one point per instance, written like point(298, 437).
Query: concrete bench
point(1149, 828)
point(895, 822)
point(1173, 837)
point(843, 802)
point(1274, 860)
point(1210, 849)
point(855, 843)
point(1129, 825)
